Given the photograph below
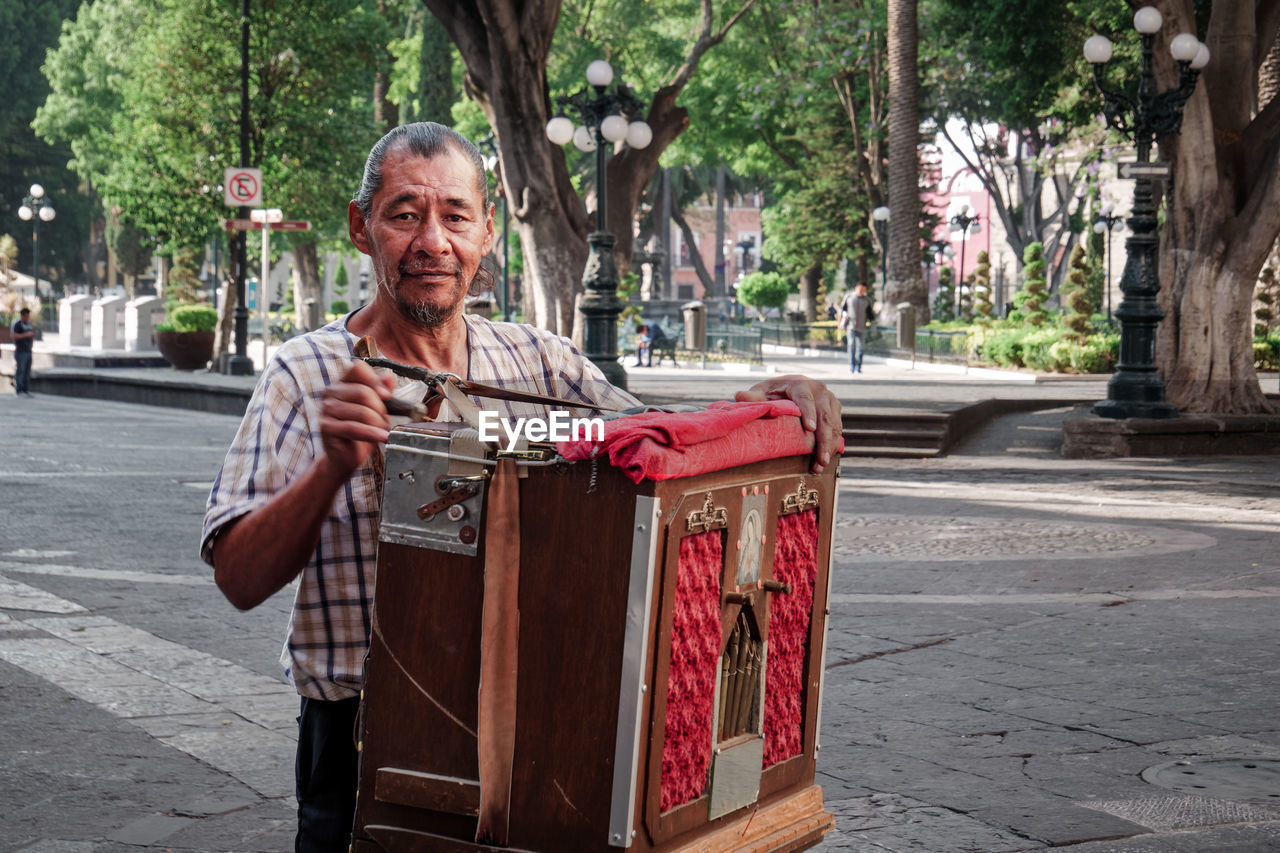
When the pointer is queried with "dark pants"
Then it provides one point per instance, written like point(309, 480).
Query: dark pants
point(327, 773)
point(22, 371)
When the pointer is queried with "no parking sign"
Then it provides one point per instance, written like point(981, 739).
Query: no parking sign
point(242, 187)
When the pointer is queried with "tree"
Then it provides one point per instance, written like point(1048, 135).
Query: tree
point(816, 122)
point(1075, 296)
point(28, 28)
point(905, 283)
point(1222, 215)
point(505, 46)
point(1033, 286)
point(983, 308)
point(944, 301)
point(132, 248)
point(146, 95)
point(1265, 297)
point(1004, 76)
point(763, 290)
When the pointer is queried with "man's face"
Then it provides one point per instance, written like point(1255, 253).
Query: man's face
point(427, 231)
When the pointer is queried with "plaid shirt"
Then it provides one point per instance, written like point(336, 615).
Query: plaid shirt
point(280, 437)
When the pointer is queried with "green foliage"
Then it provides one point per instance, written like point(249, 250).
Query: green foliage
point(1033, 286)
point(193, 318)
point(1266, 352)
point(132, 246)
point(1004, 347)
point(1045, 349)
point(1075, 295)
point(944, 301)
point(1097, 354)
point(983, 309)
point(339, 306)
point(145, 93)
point(764, 290)
point(1265, 296)
point(184, 279)
point(28, 28)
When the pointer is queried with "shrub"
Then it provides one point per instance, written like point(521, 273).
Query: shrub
point(1098, 354)
point(764, 290)
point(1075, 295)
point(191, 318)
point(982, 308)
point(944, 301)
point(1038, 353)
point(339, 306)
point(1266, 353)
point(1033, 285)
point(1004, 347)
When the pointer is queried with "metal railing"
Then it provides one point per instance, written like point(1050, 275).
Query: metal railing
point(809, 335)
point(735, 342)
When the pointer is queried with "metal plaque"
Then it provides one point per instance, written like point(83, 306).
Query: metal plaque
point(1144, 170)
point(735, 776)
point(422, 505)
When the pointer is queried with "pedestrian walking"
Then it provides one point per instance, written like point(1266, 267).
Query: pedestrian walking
point(855, 313)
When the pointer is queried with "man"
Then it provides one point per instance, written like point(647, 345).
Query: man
point(297, 493)
point(648, 336)
point(855, 313)
point(23, 334)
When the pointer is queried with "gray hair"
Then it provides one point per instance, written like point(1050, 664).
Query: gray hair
point(427, 139)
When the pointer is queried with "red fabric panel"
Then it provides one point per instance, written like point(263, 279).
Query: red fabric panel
point(666, 445)
point(795, 561)
point(695, 662)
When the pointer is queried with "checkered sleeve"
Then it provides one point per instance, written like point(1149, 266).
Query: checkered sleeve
point(276, 438)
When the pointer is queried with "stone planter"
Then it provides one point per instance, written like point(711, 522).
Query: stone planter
point(186, 350)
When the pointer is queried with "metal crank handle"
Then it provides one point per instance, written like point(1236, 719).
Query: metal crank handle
point(403, 408)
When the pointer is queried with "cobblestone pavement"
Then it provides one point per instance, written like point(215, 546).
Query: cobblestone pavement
point(1014, 639)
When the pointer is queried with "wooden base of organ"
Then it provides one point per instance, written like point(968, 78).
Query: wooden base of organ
point(599, 637)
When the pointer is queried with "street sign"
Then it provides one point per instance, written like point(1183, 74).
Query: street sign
point(1144, 170)
point(250, 225)
point(243, 187)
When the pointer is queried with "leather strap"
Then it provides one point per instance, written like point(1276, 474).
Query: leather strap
point(437, 381)
point(499, 647)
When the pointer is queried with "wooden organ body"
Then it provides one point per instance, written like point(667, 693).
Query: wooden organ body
point(665, 674)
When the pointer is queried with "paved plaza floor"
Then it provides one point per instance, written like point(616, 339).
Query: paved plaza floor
point(1014, 639)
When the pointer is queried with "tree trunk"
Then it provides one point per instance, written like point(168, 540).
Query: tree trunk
point(504, 45)
point(905, 283)
point(385, 113)
point(809, 291)
point(308, 291)
point(1222, 214)
point(226, 321)
point(695, 254)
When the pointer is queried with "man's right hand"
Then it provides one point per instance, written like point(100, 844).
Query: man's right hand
point(353, 417)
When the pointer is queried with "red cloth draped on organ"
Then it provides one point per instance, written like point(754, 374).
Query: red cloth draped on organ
point(667, 445)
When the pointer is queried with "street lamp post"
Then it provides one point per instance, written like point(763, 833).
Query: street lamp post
point(1105, 224)
point(607, 118)
point(880, 216)
point(1135, 390)
point(963, 223)
point(36, 209)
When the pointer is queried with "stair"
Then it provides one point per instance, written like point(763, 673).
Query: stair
point(901, 435)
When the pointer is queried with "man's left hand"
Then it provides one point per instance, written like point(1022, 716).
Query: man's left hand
point(819, 410)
